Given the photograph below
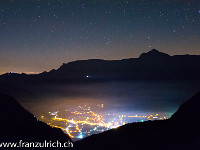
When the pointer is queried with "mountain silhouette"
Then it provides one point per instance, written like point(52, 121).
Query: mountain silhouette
point(190, 110)
point(153, 65)
point(154, 54)
point(180, 132)
point(19, 124)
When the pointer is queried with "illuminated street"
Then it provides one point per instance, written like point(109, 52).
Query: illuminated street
point(82, 121)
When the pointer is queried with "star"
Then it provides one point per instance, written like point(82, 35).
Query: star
point(86, 29)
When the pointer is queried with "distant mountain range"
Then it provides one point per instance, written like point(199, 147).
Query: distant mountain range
point(153, 65)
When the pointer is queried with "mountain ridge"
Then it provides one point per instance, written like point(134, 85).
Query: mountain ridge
point(151, 65)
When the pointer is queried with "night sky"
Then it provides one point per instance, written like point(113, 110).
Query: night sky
point(40, 35)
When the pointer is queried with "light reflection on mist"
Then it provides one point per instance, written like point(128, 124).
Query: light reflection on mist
point(117, 96)
point(123, 103)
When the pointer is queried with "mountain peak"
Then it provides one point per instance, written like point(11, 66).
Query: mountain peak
point(154, 53)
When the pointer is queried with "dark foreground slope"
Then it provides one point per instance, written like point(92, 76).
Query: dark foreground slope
point(189, 111)
point(18, 124)
point(181, 132)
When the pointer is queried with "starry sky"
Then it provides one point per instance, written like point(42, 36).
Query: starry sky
point(40, 35)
